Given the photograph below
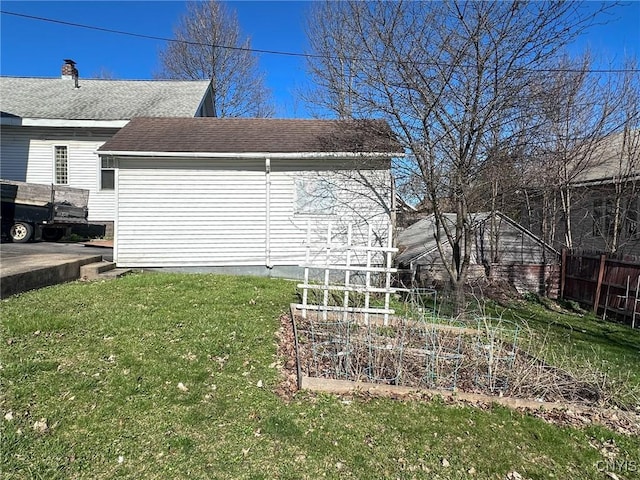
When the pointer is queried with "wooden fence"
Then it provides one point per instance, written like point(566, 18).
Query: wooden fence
point(610, 286)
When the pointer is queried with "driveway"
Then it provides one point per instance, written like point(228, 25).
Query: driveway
point(26, 266)
point(15, 252)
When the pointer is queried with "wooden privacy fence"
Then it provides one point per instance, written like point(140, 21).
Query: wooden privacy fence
point(609, 285)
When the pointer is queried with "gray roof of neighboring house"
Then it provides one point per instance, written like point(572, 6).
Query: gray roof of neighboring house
point(616, 155)
point(252, 135)
point(56, 98)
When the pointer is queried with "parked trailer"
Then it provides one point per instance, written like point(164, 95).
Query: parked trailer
point(36, 211)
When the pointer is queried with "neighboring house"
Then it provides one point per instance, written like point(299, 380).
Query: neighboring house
point(245, 194)
point(406, 214)
point(605, 215)
point(502, 249)
point(604, 200)
point(52, 127)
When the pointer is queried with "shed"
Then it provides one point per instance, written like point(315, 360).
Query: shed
point(507, 251)
point(244, 194)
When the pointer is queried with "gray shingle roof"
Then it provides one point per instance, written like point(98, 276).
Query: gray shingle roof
point(616, 155)
point(56, 98)
point(251, 135)
point(418, 240)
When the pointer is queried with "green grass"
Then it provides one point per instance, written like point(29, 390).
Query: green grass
point(582, 344)
point(102, 363)
point(577, 341)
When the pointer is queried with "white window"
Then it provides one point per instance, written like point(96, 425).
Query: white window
point(107, 173)
point(315, 196)
point(61, 165)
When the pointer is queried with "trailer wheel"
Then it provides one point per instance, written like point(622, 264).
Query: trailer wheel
point(52, 234)
point(20, 232)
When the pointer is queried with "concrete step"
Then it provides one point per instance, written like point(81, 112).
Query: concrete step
point(115, 273)
point(92, 271)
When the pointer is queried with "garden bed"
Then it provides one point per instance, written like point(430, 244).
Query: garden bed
point(519, 380)
point(480, 356)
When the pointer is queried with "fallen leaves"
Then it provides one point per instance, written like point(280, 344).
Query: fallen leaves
point(41, 426)
point(577, 416)
point(221, 360)
point(514, 476)
point(288, 386)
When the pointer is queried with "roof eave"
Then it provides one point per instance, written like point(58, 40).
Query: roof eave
point(61, 122)
point(606, 180)
point(252, 155)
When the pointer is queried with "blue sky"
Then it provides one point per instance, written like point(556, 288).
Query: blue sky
point(31, 48)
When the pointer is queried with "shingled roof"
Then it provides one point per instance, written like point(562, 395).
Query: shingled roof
point(56, 98)
point(252, 135)
point(616, 156)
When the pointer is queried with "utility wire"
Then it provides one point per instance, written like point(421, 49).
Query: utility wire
point(270, 52)
point(152, 37)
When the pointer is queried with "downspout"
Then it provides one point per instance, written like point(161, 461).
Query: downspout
point(116, 221)
point(393, 216)
point(267, 174)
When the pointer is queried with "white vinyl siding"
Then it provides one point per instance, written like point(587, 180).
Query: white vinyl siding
point(28, 155)
point(190, 214)
point(315, 195)
point(212, 212)
point(361, 198)
point(14, 151)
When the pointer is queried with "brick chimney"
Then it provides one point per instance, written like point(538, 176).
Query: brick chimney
point(70, 71)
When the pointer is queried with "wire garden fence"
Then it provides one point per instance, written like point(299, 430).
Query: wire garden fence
point(368, 331)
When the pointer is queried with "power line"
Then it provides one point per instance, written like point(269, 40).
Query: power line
point(270, 52)
point(153, 37)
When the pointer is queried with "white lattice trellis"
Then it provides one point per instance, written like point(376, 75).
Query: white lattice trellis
point(342, 263)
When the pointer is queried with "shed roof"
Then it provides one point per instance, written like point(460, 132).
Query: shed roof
point(418, 240)
point(56, 98)
point(252, 135)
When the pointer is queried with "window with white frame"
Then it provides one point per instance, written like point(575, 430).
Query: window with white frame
point(61, 164)
point(107, 173)
point(315, 195)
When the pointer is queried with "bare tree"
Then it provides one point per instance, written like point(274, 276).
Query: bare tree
point(335, 69)
point(573, 109)
point(626, 178)
point(583, 162)
point(208, 45)
point(447, 76)
point(618, 218)
point(104, 73)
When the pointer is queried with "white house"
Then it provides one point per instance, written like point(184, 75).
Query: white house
point(51, 127)
point(245, 193)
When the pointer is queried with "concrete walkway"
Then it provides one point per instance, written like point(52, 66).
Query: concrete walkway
point(34, 265)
